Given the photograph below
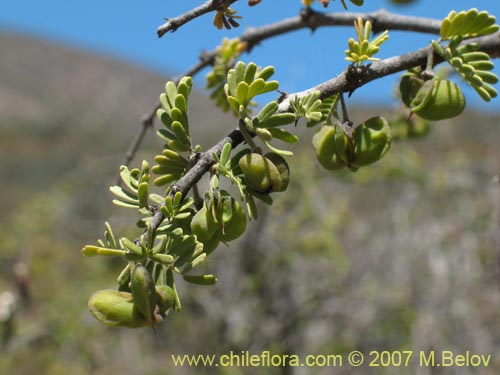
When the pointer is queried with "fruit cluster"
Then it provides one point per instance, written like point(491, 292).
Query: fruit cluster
point(369, 142)
point(433, 99)
point(220, 219)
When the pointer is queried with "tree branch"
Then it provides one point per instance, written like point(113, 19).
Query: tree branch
point(173, 24)
point(308, 18)
point(381, 20)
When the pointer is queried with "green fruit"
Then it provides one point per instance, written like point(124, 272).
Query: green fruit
point(409, 86)
point(143, 292)
point(116, 309)
point(438, 99)
point(260, 173)
point(283, 169)
point(235, 226)
point(370, 141)
point(324, 145)
point(210, 245)
point(203, 225)
point(165, 297)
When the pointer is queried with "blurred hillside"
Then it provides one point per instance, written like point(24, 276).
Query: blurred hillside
point(403, 255)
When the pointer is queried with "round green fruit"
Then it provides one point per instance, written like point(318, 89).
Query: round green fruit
point(210, 245)
point(370, 141)
point(438, 99)
point(324, 145)
point(165, 297)
point(283, 169)
point(235, 226)
point(409, 86)
point(143, 292)
point(116, 309)
point(260, 172)
point(203, 225)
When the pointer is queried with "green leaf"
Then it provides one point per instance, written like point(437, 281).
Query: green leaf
point(201, 280)
point(142, 193)
point(268, 110)
point(165, 135)
point(90, 250)
point(256, 88)
point(242, 93)
point(165, 259)
point(164, 117)
point(277, 120)
point(239, 72)
point(225, 153)
point(124, 195)
point(125, 204)
point(180, 133)
point(165, 179)
point(266, 73)
point(168, 169)
point(127, 179)
point(131, 246)
point(110, 237)
point(283, 135)
point(171, 92)
point(181, 103)
point(278, 151)
point(233, 102)
point(184, 86)
point(250, 71)
point(270, 86)
point(165, 104)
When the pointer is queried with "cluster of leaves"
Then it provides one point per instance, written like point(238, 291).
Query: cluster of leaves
point(312, 108)
point(225, 56)
point(472, 65)
point(174, 115)
point(363, 49)
point(244, 83)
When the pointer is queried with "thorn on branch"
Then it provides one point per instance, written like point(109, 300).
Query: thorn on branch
point(308, 18)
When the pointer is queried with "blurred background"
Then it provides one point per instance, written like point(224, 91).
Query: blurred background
point(403, 255)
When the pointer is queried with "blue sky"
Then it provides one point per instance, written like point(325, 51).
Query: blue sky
point(127, 30)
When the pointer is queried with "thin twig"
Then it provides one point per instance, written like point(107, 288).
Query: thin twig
point(173, 24)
